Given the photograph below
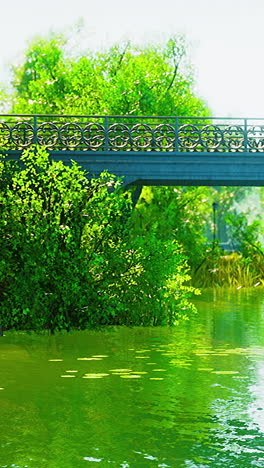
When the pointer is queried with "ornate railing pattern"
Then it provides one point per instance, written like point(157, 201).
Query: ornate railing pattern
point(127, 133)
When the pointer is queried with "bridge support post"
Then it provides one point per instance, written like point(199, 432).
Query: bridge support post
point(106, 126)
point(176, 143)
point(245, 135)
point(35, 130)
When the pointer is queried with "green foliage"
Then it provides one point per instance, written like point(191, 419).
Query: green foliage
point(42, 82)
point(186, 214)
point(123, 80)
point(229, 270)
point(242, 268)
point(42, 218)
point(131, 80)
point(68, 256)
point(178, 213)
point(247, 234)
point(96, 263)
point(70, 247)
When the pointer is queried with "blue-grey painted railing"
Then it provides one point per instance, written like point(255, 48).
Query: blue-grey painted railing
point(127, 133)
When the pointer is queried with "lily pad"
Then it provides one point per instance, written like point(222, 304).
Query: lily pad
point(97, 374)
point(130, 376)
point(99, 355)
point(205, 369)
point(89, 359)
point(92, 376)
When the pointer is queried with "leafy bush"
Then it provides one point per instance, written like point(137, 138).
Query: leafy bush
point(69, 257)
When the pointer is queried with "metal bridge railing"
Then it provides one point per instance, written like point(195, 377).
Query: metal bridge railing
point(132, 133)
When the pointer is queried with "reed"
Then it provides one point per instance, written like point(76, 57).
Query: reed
point(231, 270)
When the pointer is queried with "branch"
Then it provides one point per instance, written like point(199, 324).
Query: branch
point(176, 66)
point(122, 55)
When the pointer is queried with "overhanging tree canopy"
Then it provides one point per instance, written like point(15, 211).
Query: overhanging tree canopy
point(124, 80)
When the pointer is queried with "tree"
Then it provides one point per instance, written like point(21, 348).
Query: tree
point(125, 80)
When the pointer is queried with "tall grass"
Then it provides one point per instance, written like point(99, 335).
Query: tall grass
point(231, 270)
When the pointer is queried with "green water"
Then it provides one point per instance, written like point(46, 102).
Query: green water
point(191, 396)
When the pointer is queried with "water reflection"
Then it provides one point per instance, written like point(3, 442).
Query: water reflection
point(185, 397)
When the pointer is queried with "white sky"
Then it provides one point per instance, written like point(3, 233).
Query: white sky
point(226, 36)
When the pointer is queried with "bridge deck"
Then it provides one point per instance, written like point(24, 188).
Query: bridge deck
point(147, 150)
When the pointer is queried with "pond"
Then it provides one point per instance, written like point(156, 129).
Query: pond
point(190, 396)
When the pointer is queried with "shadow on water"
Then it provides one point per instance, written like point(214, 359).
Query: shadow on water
point(190, 396)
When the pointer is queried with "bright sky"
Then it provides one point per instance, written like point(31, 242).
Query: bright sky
point(226, 36)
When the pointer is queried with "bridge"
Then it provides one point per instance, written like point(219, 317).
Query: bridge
point(146, 150)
